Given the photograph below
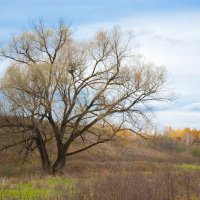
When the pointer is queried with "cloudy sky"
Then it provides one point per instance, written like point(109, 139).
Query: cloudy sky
point(167, 32)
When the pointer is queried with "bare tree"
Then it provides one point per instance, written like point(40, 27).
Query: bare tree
point(58, 90)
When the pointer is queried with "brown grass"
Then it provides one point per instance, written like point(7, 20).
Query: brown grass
point(127, 169)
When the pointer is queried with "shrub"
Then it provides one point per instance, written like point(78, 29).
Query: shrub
point(196, 152)
point(166, 143)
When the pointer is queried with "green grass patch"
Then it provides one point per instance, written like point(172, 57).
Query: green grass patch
point(189, 166)
point(37, 189)
point(25, 193)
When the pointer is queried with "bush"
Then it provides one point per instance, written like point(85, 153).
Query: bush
point(196, 152)
point(166, 143)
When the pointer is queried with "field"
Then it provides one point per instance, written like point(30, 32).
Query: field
point(128, 168)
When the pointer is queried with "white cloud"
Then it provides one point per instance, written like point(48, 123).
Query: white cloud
point(170, 39)
point(177, 119)
point(194, 107)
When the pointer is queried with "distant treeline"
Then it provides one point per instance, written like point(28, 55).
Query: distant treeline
point(188, 135)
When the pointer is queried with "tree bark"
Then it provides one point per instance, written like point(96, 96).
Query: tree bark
point(60, 162)
point(46, 165)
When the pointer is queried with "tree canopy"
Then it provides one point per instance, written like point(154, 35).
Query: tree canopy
point(58, 90)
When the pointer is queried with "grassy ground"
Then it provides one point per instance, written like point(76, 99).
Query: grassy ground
point(189, 167)
point(116, 181)
point(35, 188)
point(126, 169)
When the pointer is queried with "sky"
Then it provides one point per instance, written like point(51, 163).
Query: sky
point(167, 32)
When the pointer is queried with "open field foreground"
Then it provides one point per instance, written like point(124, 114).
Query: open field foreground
point(127, 169)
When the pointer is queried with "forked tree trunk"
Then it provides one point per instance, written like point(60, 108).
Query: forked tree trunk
point(47, 166)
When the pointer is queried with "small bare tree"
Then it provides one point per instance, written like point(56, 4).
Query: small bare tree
point(59, 90)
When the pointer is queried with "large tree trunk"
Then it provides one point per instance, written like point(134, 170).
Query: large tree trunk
point(46, 164)
point(60, 162)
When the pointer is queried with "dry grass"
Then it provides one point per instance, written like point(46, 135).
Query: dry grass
point(121, 170)
point(110, 182)
point(168, 184)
